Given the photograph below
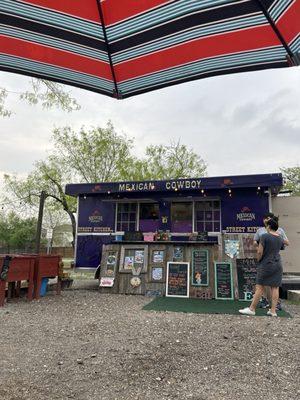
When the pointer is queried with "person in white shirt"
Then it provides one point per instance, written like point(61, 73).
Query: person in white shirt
point(261, 231)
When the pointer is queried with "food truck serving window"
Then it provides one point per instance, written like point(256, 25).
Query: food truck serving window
point(126, 217)
point(149, 217)
point(182, 217)
point(207, 216)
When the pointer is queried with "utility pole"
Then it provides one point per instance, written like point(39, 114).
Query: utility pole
point(39, 222)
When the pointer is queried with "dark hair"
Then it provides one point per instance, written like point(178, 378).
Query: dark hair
point(273, 224)
point(268, 215)
point(272, 216)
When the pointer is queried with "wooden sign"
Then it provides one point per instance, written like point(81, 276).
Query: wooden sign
point(157, 273)
point(178, 253)
point(158, 256)
point(153, 293)
point(246, 275)
point(223, 281)
point(202, 237)
point(111, 263)
point(178, 277)
point(200, 268)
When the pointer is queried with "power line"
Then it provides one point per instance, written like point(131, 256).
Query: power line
point(14, 202)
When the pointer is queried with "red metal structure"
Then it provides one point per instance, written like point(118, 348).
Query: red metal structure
point(46, 266)
point(125, 47)
point(21, 268)
point(32, 268)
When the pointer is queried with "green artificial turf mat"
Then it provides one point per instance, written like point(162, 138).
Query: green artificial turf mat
point(204, 306)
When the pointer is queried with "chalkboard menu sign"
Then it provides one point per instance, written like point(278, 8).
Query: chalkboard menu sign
point(246, 274)
point(178, 276)
point(223, 281)
point(200, 268)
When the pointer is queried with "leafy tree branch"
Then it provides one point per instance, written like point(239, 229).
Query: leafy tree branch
point(48, 94)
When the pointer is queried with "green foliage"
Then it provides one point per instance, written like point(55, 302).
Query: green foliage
point(167, 162)
point(48, 94)
point(94, 155)
point(4, 112)
point(292, 179)
point(49, 176)
point(98, 155)
point(17, 233)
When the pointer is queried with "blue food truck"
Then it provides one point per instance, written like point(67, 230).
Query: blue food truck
point(215, 214)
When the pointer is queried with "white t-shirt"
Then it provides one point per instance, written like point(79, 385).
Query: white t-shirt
point(261, 231)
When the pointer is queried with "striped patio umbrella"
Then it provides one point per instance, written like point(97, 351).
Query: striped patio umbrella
point(125, 47)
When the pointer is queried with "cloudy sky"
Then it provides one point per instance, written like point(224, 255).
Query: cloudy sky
point(239, 124)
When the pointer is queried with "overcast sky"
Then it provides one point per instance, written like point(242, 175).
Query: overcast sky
point(239, 124)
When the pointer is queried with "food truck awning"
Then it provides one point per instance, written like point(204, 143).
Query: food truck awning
point(272, 181)
point(125, 47)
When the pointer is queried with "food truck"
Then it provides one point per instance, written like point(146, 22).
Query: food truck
point(178, 237)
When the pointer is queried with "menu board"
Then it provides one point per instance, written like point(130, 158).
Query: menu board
point(223, 281)
point(246, 274)
point(178, 274)
point(200, 268)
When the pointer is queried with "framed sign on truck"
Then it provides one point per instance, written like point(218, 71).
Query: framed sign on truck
point(178, 279)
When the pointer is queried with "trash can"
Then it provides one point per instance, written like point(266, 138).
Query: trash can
point(44, 284)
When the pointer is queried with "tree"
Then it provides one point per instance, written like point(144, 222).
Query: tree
point(98, 155)
point(49, 176)
point(16, 233)
point(94, 155)
point(89, 156)
point(167, 162)
point(48, 94)
point(292, 179)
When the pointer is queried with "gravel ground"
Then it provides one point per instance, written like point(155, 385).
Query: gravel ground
point(84, 345)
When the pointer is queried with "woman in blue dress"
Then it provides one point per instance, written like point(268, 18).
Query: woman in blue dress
point(269, 268)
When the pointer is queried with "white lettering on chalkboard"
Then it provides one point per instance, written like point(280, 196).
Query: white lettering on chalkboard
point(248, 295)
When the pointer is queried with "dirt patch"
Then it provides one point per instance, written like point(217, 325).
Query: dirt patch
point(84, 345)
